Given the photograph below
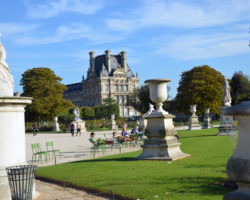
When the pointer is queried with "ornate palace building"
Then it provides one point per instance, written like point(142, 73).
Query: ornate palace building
point(107, 76)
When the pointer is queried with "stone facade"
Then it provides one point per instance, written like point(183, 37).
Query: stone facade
point(108, 76)
point(74, 94)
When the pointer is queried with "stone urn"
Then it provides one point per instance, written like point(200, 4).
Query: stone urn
point(162, 142)
point(238, 166)
point(193, 120)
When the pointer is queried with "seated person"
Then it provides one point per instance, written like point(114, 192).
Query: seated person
point(135, 131)
point(92, 138)
point(125, 132)
point(114, 138)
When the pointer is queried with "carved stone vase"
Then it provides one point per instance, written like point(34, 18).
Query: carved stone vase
point(162, 142)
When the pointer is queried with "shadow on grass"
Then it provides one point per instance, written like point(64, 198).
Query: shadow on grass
point(198, 185)
point(194, 136)
point(107, 160)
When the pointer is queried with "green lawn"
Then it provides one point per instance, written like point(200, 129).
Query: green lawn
point(197, 177)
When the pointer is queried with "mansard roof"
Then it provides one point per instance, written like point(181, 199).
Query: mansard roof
point(101, 67)
point(75, 87)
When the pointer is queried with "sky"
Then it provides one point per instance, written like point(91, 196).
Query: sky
point(163, 38)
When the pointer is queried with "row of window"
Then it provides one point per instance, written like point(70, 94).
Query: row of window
point(121, 100)
point(125, 112)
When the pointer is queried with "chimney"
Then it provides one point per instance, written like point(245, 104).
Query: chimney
point(107, 56)
point(92, 60)
point(124, 62)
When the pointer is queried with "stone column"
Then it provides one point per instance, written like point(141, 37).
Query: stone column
point(12, 138)
point(207, 119)
point(193, 120)
point(238, 166)
point(162, 142)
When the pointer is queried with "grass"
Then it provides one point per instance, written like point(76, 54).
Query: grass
point(200, 176)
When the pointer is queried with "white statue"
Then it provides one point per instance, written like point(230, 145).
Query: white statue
point(6, 79)
point(151, 109)
point(77, 114)
point(226, 93)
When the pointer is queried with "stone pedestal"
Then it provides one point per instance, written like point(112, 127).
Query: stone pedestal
point(238, 166)
point(226, 123)
point(194, 123)
point(12, 138)
point(162, 143)
point(83, 128)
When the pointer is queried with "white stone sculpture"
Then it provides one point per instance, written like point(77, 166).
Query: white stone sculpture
point(143, 121)
point(193, 120)
point(161, 142)
point(76, 112)
point(226, 122)
point(238, 166)
point(207, 119)
point(6, 79)
point(226, 93)
point(56, 126)
point(113, 123)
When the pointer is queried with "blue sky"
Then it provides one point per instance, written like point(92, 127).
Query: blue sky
point(162, 38)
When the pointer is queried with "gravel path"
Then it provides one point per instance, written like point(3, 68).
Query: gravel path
point(50, 191)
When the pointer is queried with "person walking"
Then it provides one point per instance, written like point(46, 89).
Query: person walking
point(78, 129)
point(34, 129)
point(72, 128)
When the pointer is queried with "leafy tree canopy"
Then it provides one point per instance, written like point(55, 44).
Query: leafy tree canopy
point(202, 85)
point(240, 87)
point(140, 100)
point(88, 113)
point(46, 89)
point(111, 107)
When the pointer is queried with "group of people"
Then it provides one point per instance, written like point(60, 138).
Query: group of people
point(75, 128)
point(124, 137)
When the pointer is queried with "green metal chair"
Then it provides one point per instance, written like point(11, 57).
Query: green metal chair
point(37, 153)
point(50, 149)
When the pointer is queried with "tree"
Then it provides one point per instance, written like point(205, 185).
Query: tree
point(240, 87)
point(99, 111)
point(140, 100)
point(202, 85)
point(111, 107)
point(88, 113)
point(46, 89)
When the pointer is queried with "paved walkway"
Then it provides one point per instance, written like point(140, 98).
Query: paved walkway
point(72, 148)
point(50, 191)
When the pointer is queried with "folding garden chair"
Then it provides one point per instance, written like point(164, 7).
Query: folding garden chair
point(50, 149)
point(37, 153)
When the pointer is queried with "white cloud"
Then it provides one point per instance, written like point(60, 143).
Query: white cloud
point(69, 32)
point(205, 46)
point(53, 8)
point(183, 14)
point(15, 28)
